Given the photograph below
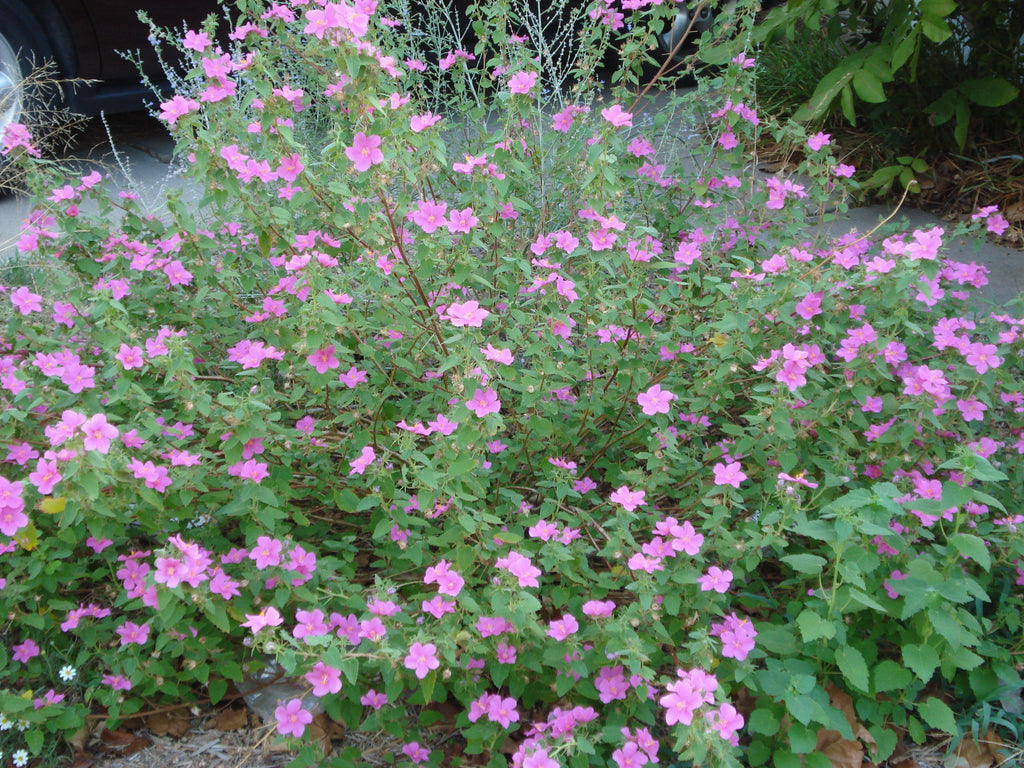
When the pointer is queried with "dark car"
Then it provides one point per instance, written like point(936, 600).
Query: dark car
point(84, 38)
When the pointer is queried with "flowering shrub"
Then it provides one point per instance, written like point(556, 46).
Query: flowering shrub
point(503, 409)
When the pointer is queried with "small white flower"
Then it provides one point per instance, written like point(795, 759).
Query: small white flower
point(5, 722)
point(20, 758)
point(21, 725)
point(67, 673)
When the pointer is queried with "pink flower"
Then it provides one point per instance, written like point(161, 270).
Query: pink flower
point(353, 377)
point(177, 107)
point(629, 756)
point(420, 123)
point(365, 459)
point(266, 553)
point(844, 171)
point(627, 499)
point(655, 400)
point(310, 624)
point(469, 314)
point(130, 357)
point(117, 682)
point(365, 151)
point(726, 720)
point(503, 356)
point(267, 617)
point(25, 301)
point(502, 711)
point(249, 470)
point(373, 699)
point(617, 116)
point(415, 752)
point(819, 140)
point(598, 609)
point(98, 433)
point(324, 359)
point(562, 628)
point(292, 718)
point(130, 633)
point(46, 476)
point(25, 651)
point(421, 659)
point(810, 305)
point(729, 474)
point(715, 580)
point(522, 82)
point(485, 401)
point(324, 679)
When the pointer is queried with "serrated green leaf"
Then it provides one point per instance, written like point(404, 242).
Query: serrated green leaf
point(814, 627)
point(938, 715)
point(855, 670)
point(972, 547)
point(922, 659)
point(764, 722)
point(890, 676)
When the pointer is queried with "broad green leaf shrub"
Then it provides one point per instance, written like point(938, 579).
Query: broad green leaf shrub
point(545, 416)
point(907, 84)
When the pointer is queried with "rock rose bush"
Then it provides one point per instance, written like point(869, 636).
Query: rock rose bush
point(506, 423)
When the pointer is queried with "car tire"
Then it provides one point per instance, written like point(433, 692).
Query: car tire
point(23, 49)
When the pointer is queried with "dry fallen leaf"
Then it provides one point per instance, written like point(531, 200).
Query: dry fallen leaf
point(231, 719)
point(174, 724)
point(972, 754)
point(121, 743)
point(845, 753)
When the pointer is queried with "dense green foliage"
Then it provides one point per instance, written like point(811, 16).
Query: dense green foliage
point(543, 415)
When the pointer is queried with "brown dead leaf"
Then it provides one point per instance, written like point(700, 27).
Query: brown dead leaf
point(231, 719)
point(972, 754)
point(122, 743)
point(1014, 213)
point(845, 753)
point(81, 738)
point(842, 753)
point(83, 760)
point(174, 724)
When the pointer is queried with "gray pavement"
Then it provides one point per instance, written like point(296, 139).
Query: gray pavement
point(143, 162)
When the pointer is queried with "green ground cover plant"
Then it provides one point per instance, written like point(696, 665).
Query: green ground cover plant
point(477, 403)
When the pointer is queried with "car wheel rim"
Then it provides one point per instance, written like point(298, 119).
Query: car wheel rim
point(10, 85)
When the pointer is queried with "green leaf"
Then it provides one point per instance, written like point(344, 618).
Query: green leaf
point(830, 86)
point(814, 627)
point(869, 87)
point(940, 8)
point(905, 49)
point(922, 659)
point(938, 715)
point(890, 676)
point(851, 663)
point(764, 721)
point(866, 600)
point(810, 564)
point(935, 28)
point(972, 547)
point(218, 687)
